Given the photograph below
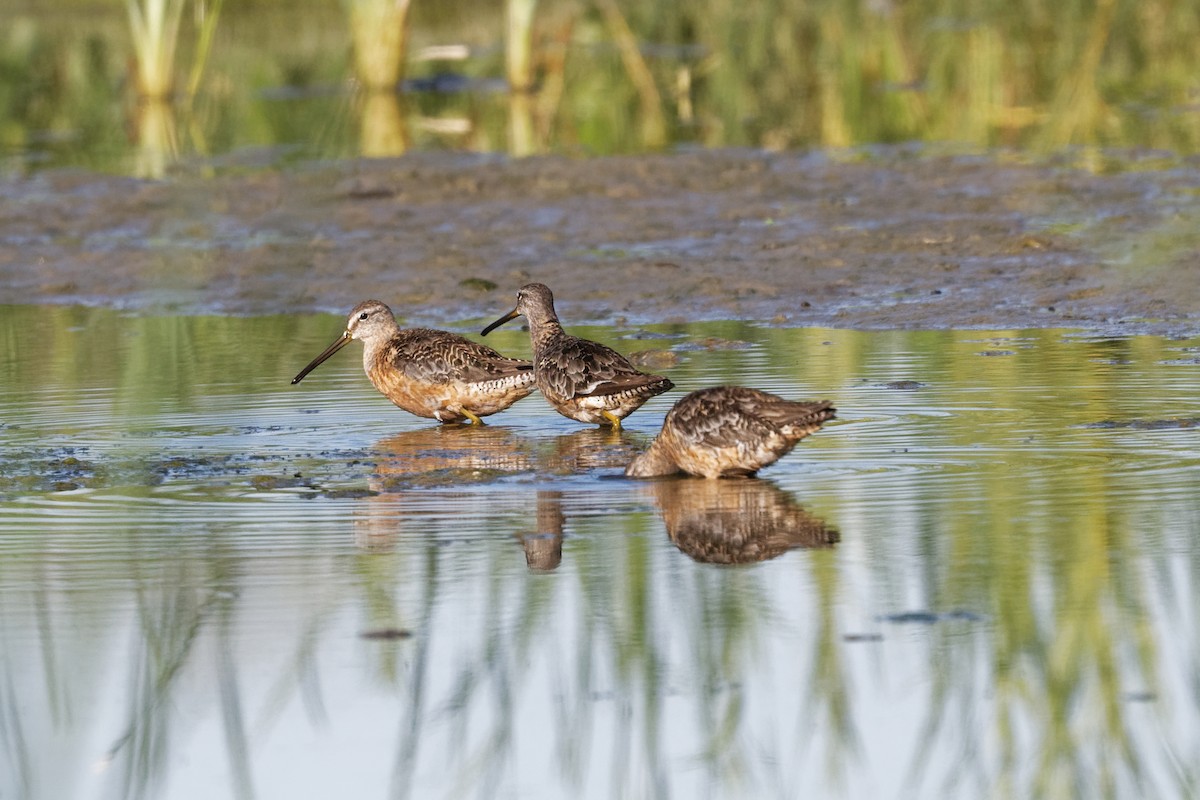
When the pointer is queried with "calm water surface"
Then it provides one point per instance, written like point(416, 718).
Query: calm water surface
point(981, 580)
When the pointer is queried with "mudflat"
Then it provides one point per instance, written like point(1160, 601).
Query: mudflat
point(878, 239)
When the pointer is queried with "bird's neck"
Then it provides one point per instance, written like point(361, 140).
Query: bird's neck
point(374, 347)
point(543, 331)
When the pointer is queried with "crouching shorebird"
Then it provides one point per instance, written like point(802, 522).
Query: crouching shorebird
point(728, 431)
point(430, 373)
point(581, 379)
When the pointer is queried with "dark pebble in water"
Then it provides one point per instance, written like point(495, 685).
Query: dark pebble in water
point(863, 637)
point(386, 634)
point(1140, 697)
point(361, 189)
point(903, 385)
point(265, 483)
point(1146, 424)
point(996, 353)
point(929, 617)
point(924, 617)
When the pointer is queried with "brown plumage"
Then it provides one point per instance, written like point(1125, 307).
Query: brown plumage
point(543, 545)
point(448, 454)
point(728, 431)
point(736, 522)
point(581, 379)
point(430, 373)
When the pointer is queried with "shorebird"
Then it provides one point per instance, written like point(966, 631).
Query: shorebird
point(728, 431)
point(581, 379)
point(736, 522)
point(430, 373)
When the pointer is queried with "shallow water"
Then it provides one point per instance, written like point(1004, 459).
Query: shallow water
point(983, 575)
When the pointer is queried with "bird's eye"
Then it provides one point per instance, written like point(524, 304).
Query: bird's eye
point(363, 315)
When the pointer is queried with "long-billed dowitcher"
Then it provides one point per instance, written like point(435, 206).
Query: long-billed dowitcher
point(728, 431)
point(736, 522)
point(581, 379)
point(431, 373)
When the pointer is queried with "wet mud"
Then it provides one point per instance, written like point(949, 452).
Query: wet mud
point(436, 456)
point(884, 239)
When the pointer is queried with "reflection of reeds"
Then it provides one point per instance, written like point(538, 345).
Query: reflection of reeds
point(1082, 575)
point(719, 72)
point(157, 143)
point(383, 131)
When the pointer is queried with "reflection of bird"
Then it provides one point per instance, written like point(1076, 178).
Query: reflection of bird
point(431, 373)
point(543, 546)
point(728, 431)
point(581, 379)
point(588, 449)
point(447, 455)
point(736, 522)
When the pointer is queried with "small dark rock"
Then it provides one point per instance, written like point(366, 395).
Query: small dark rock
point(386, 634)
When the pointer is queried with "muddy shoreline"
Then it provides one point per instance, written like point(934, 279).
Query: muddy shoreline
point(879, 240)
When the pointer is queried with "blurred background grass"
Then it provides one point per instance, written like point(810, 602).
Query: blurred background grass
point(98, 84)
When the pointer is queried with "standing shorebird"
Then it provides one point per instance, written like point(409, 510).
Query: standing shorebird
point(581, 379)
point(728, 431)
point(431, 373)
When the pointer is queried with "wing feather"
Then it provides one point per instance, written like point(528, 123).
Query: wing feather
point(725, 416)
point(438, 357)
point(572, 367)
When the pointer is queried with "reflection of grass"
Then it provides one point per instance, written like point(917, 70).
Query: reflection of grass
point(616, 76)
point(1065, 563)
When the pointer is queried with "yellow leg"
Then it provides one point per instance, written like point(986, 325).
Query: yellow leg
point(616, 422)
point(474, 419)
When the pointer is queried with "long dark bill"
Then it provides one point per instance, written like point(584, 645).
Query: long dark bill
point(316, 362)
point(510, 315)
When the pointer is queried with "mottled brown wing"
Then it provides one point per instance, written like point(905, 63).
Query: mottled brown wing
point(575, 367)
point(436, 356)
point(785, 413)
point(703, 419)
point(726, 415)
